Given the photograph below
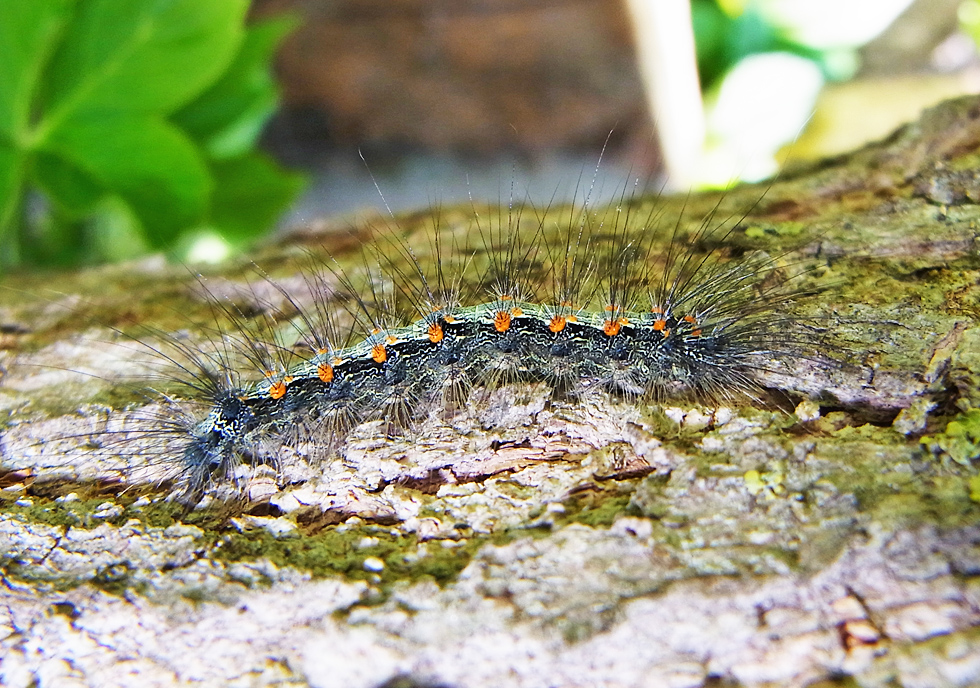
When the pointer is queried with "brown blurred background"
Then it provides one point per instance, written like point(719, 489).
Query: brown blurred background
point(462, 75)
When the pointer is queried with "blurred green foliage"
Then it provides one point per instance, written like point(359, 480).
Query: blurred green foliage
point(968, 14)
point(130, 125)
point(726, 31)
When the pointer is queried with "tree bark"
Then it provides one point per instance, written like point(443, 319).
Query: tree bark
point(532, 543)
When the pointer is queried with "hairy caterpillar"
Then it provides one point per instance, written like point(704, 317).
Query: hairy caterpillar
point(430, 323)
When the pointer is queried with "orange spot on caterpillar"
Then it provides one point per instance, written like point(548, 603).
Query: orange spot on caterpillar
point(516, 312)
point(506, 297)
point(378, 353)
point(435, 333)
point(690, 319)
point(321, 352)
point(572, 319)
point(666, 333)
point(324, 371)
point(696, 333)
point(657, 309)
point(611, 327)
point(557, 324)
point(659, 325)
point(501, 321)
point(391, 340)
point(278, 389)
point(449, 319)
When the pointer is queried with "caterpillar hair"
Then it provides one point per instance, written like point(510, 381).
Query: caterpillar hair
point(427, 324)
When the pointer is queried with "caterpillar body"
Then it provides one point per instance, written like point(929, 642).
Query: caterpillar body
point(430, 323)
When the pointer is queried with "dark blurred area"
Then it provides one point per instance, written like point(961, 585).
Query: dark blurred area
point(453, 99)
point(467, 76)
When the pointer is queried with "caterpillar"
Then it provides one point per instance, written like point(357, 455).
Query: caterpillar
point(428, 323)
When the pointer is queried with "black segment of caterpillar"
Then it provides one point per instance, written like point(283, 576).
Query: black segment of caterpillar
point(587, 305)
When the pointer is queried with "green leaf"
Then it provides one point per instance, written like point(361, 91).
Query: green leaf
point(115, 232)
point(10, 183)
point(29, 30)
point(47, 239)
point(141, 55)
point(73, 189)
point(250, 193)
point(228, 117)
point(145, 161)
point(86, 87)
